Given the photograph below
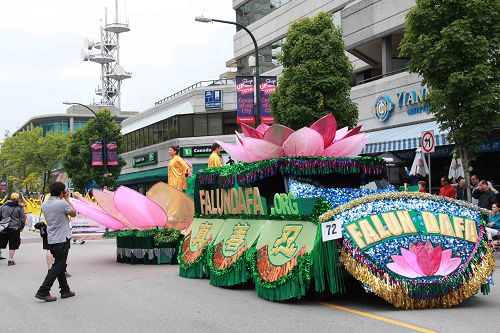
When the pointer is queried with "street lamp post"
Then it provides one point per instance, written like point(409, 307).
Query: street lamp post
point(204, 19)
point(103, 137)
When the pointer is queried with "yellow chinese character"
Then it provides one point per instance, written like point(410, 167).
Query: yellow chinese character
point(286, 243)
point(237, 238)
point(202, 234)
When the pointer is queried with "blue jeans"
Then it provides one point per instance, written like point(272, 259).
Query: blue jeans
point(58, 270)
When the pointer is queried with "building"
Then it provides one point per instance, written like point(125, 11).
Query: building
point(389, 98)
point(76, 116)
point(192, 118)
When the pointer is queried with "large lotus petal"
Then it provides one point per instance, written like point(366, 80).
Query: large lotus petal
point(411, 259)
point(262, 150)
point(326, 126)
point(341, 133)
point(262, 128)
point(401, 267)
point(105, 201)
point(178, 205)
point(277, 134)
point(353, 131)
point(138, 209)
point(251, 132)
point(236, 151)
point(345, 146)
point(357, 148)
point(95, 213)
point(304, 142)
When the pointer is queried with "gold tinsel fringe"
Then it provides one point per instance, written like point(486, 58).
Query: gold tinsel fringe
point(398, 295)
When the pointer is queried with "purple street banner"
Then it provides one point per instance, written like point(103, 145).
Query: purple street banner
point(3, 186)
point(112, 153)
point(245, 110)
point(96, 148)
point(267, 87)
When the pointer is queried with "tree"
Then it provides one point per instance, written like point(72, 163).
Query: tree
point(455, 47)
point(316, 75)
point(77, 159)
point(28, 155)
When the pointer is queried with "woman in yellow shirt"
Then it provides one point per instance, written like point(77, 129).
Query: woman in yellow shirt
point(177, 169)
point(214, 160)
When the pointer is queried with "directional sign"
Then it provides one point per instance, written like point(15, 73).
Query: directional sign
point(428, 142)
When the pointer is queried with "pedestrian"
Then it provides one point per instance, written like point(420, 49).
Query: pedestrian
point(13, 213)
point(462, 190)
point(230, 161)
point(56, 210)
point(484, 195)
point(493, 225)
point(474, 180)
point(214, 160)
point(422, 186)
point(446, 189)
point(178, 169)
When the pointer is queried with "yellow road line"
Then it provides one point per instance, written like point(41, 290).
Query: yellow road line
point(369, 315)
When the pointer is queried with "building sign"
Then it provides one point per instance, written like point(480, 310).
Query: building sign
point(96, 148)
point(213, 100)
point(411, 102)
point(267, 87)
point(147, 159)
point(245, 110)
point(196, 151)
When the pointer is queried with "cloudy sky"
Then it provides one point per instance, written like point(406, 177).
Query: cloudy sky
point(166, 51)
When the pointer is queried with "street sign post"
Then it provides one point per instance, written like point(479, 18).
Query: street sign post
point(428, 146)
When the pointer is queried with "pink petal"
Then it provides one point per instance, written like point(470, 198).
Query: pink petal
point(235, 150)
point(411, 259)
point(105, 201)
point(138, 209)
point(251, 132)
point(452, 265)
point(345, 146)
point(353, 131)
point(177, 204)
point(326, 126)
point(428, 258)
point(401, 267)
point(445, 259)
point(262, 128)
point(357, 148)
point(304, 142)
point(97, 215)
point(277, 134)
point(239, 137)
point(341, 133)
point(262, 150)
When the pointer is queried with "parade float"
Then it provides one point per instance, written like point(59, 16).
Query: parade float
point(303, 213)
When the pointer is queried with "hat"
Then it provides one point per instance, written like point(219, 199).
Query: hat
point(14, 196)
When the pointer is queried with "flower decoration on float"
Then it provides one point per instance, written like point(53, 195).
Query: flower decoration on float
point(320, 139)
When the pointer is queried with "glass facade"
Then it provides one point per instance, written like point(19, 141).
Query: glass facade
point(254, 10)
point(181, 126)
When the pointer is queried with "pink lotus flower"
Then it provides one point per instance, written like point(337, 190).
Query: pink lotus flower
point(320, 139)
point(423, 260)
point(129, 209)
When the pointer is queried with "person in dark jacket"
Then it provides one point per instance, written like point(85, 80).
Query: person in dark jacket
point(462, 190)
point(12, 234)
point(486, 197)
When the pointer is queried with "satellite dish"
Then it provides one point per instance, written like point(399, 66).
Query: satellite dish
point(88, 44)
point(118, 70)
point(84, 55)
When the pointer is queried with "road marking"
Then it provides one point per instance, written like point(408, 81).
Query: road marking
point(369, 315)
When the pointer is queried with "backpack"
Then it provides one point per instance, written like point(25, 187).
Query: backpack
point(4, 223)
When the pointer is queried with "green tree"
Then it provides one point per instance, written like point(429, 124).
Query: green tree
point(77, 159)
point(28, 155)
point(455, 47)
point(316, 75)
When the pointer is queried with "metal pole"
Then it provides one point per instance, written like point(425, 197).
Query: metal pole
point(429, 156)
point(257, 69)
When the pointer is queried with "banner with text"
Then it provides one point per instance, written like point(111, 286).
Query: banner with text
point(112, 153)
point(96, 148)
point(267, 86)
point(245, 110)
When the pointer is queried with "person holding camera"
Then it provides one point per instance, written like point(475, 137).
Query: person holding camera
point(12, 215)
point(56, 210)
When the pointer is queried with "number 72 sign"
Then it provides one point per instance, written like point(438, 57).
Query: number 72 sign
point(331, 230)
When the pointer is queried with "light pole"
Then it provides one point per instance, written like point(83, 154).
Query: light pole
point(103, 138)
point(204, 19)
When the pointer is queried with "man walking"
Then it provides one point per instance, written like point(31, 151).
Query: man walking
point(14, 212)
point(214, 160)
point(56, 210)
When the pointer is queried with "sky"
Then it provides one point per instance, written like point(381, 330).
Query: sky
point(165, 49)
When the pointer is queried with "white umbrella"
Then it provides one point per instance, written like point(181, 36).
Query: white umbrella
point(419, 166)
point(456, 168)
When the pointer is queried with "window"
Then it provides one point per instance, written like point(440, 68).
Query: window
point(254, 10)
point(200, 124)
point(268, 59)
point(214, 123)
point(186, 125)
point(229, 122)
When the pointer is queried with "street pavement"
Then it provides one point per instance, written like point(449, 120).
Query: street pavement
point(113, 297)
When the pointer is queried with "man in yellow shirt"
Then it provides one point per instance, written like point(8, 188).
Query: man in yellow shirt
point(214, 160)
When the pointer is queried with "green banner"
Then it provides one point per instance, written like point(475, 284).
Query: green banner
point(199, 235)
